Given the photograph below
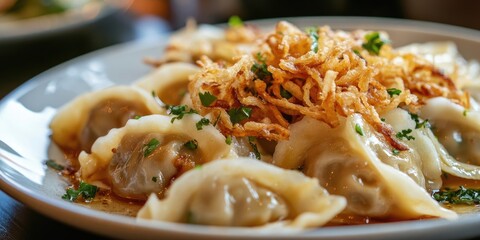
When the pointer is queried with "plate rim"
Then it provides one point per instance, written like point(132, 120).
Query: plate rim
point(27, 196)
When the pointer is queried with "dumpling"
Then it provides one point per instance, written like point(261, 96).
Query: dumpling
point(79, 123)
point(169, 82)
point(347, 161)
point(146, 154)
point(457, 132)
point(445, 56)
point(244, 192)
point(422, 161)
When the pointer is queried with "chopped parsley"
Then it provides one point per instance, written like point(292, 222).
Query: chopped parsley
point(179, 112)
point(85, 190)
point(192, 144)
point(357, 52)
point(393, 91)
point(201, 123)
point(404, 134)
point(235, 21)
point(418, 123)
point(154, 94)
point(358, 129)
point(462, 195)
point(284, 93)
point(136, 117)
point(150, 147)
point(228, 140)
point(207, 98)
point(465, 112)
point(260, 68)
point(382, 119)
point(251, 141)
point(239, 114)
point(154, 179)
point(374, 43)
point(395, 152)
point(312, 32)
point(198, 167)
point(54, 165)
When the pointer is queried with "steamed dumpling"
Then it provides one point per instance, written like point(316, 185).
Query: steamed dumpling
point(169, 82)
point(146, 154)
point(457, 132)
point(244, 192)
point(79, 123)
point(422, 161)
point(348, 163)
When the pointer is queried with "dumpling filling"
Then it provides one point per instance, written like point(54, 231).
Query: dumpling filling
point(145, 163)
point(108, 114)
point(228, 201)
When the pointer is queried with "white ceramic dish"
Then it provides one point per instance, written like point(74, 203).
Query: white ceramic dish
point(25, 144)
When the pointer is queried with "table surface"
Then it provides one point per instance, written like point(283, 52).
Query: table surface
point(18, 221)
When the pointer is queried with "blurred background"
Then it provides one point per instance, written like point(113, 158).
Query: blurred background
point(36, 35)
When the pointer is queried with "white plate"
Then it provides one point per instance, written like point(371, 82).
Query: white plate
point(24, 135)
point(21, 29)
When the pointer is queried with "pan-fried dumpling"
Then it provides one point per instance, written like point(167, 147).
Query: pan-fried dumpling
point(457, 132)
point(244, 192)
point(346, 160)
point(79, 123)
point(143, 156)
point(169, 82)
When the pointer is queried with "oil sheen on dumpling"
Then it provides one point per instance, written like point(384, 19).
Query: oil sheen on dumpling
point(79, 123)
point(457, 132)
point(169, 82)
point(244, 192)
point(143, 156)
point(348, 163)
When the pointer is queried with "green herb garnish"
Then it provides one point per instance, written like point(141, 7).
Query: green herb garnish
point(154, 179)
point(358, 129)
point(418, 123)
point(357, 52)
point(54, 165)
point(260, 68)
point(150, 147)
point(207, 98)
point(251, 141)
point(192, 144)
point(235, 21)
point(239, 114)
point(284, 93)
point(312, 32)
point(179, 112)
point(382, 119)
point(404, 134)
point(393, 91)
point(462, 195)
point(395, 152)
point(228, 140)
point(198, 167)
point(465, 112)
point(136, 117)
point(154, 94)
point(201, 123)
point(374, 43)
point(85, 190)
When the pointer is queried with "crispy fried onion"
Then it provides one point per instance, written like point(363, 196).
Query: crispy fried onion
point(324, 79)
